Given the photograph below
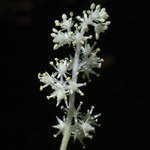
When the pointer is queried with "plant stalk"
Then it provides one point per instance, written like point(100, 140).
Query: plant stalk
point(67, 132)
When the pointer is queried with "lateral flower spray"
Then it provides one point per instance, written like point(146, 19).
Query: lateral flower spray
point(64, 81)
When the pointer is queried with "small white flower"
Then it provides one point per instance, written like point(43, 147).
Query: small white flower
point(92, 120)
point(74, 87)
point(66, 24)
point(60, 126)
point(94, 61)
point(96, 18)
point(86, 127)
point(77, 112)
point(103, 14)
point(78, 134)
point(61, 68)
point(99, 28)
point(85, 20)
point(89, 63)
point(95, 15)
point(63, 38)
point(46, 79)
point(86, 50)
point(98, 15)
point(60, 93)
point(79, 37)
point(88, 122)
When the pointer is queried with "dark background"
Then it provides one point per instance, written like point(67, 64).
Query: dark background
point(120, 94)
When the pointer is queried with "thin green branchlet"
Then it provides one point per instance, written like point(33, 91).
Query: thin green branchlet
point(64, 81)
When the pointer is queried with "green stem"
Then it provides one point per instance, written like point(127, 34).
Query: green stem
point(67, 131)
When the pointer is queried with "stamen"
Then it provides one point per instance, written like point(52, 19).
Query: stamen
point(74, 42)
point(39, 74)
point(67, 79)
point(92, 107)
point(91, 36)
point(76, 25)
point(100, 65)
point(91, 137)
point(77, 73)
point(48, 98)
point(94, 55)
point(102, 60)
point(85, 84)
point(71, 33)
point(41, 88)
point(82, 42)
point(82, 94)
point(62, 107)
point(98, 49)
point(79, 27)
point(84, 11)
point(71, 14)
point(54, 41)
point(86, 135)
point(55, 136)
point(70, 19)
point(51, 63)
point(81, 102)
point(85, 27)
point(56, 59)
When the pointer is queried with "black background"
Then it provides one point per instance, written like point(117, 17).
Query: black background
point(120, 94)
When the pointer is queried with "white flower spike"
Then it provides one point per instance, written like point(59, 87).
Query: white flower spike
point(64, 81)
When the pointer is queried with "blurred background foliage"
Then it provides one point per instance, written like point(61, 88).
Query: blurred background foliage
point(120, 94)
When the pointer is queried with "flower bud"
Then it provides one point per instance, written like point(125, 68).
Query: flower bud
point(92, 6)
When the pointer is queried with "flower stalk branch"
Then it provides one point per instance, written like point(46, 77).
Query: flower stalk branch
point(67, 131)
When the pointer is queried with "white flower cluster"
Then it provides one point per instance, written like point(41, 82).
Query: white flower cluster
point(90, 60)
point(60, 82)
point(95, 17)
point(64, 80)
point(82, 127)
